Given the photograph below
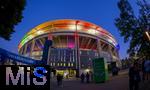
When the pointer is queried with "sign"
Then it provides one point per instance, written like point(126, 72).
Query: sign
point(17, 77)
point(100, 70)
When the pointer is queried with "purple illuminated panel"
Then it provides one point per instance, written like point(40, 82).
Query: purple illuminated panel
point(71, 42)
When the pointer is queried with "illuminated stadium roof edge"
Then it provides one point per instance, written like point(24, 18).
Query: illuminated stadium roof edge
point(67, 24)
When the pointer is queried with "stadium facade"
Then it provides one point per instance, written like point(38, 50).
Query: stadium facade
point(75, 44)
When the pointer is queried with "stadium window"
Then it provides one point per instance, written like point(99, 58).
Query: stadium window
point(89, 59)
point(96, 54)
point(80, 52)
point(53, 64)
point(69, 64)
point(87, 52)
point(72, 64)
point(64, 64)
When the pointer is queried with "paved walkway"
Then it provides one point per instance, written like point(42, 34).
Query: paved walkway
point(119, 82)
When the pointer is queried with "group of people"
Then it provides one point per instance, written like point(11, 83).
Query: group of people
point(135, 76)
point(88, 77)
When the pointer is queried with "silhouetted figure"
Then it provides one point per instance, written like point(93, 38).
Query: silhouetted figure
point(54, 72)
point(115, 71)
point(134, 77)
point(147, 69)
point(87, 77)
point(143, 70)
point(91, 76)
point(59, 79)
point(82, 77)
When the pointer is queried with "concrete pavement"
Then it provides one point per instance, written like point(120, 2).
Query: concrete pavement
point(119, 82)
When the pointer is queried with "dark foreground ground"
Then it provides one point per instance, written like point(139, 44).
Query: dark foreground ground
point(119, 82)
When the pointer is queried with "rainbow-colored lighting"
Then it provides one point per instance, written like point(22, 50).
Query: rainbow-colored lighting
point(68, 25)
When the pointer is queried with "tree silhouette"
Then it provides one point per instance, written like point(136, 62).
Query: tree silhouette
point(10, 15)
point(133, 28)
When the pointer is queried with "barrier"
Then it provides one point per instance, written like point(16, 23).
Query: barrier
point(4, 54)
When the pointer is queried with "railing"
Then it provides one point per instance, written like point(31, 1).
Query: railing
point(4, 55)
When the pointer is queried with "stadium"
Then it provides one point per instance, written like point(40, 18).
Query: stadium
point(75, 43)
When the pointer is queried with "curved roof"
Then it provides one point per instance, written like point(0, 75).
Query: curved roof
point(68, 25)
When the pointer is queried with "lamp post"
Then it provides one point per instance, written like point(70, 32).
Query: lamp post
point(99, 49)
point(77, 51)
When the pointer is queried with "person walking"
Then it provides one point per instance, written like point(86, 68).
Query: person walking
point(61, 80)
point(147, 69)
point(134, 77)
point(87, 77)
point(58, 79)
point(91, 76)
point(82, 77)
point(143, 70)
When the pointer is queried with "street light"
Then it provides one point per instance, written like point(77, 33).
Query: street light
point(77, 50)
point(148, 35)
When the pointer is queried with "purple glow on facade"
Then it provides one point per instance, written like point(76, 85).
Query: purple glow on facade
point(71, 45)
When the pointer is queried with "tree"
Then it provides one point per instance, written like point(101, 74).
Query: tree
point(133, 28)
point(10, 15)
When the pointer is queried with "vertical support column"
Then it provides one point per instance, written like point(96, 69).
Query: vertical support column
point(48, 59)
point(77, 51)
point(25, 49)
point(110, 53)
point(118, 58)
point(76, 48)
point(50, 37)
point(47, 45)
point(32, 47)
point(21, 51)
point(117, 54)
point(99, 48)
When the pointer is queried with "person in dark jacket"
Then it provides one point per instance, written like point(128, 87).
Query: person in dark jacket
point(134, 77)
point(59, 79)
point(143, 70)
point(87, 77)
point(115, 71)
point(82, 77)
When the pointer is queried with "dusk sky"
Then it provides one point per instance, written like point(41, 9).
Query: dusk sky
point(100, 12)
